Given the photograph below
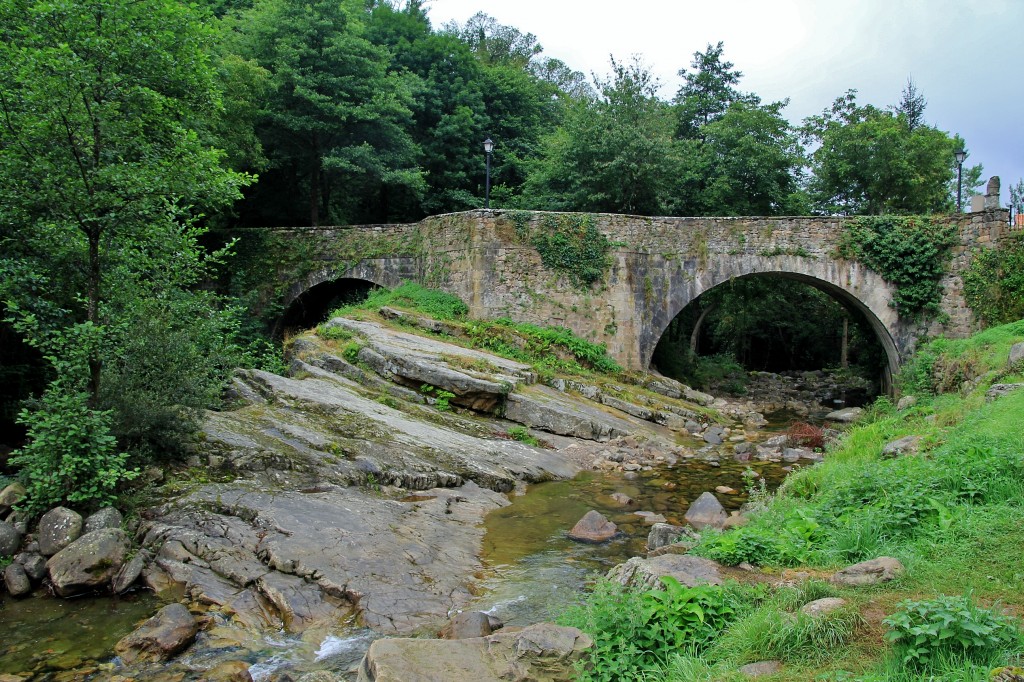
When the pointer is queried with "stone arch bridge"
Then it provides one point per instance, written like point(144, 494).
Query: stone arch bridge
point(656, 267)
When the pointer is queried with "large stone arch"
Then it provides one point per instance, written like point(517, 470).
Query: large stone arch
point(853, 285)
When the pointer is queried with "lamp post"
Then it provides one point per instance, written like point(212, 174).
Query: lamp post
point(959, 155)
point(488, 148)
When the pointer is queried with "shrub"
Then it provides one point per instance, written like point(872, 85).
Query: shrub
point(522, 434)
point(802, 434)
point(928, 631)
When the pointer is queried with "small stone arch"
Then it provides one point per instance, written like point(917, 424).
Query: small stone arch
point(854, 286)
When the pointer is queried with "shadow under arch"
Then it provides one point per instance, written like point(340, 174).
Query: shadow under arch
point(847, 299)
point(312, 306)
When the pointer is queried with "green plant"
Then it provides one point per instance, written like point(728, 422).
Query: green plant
point(994, 282)
point(924, 631)
point(410, 296)
point(909, 251)
point(70, 455)
point(570, 243)
point(522, 434)
point(333, 332)
point(440, 396)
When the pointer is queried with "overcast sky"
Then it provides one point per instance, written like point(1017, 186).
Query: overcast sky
point(966, 56)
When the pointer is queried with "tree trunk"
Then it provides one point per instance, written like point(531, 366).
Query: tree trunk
point(93, 313)
point(695, 335)
point(844, 349)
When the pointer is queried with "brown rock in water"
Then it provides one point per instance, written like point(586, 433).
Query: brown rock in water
point(705, 511)
point(593, 527)
point(167, 633)
point(467, 624)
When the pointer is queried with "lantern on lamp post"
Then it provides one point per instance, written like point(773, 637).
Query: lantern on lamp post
point(960, 155)
point(488, 149)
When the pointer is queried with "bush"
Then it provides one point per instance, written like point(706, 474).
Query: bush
point(71, 455)
point(926, 632)
point(410, 296)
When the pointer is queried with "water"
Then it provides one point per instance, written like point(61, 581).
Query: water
point(533, 570)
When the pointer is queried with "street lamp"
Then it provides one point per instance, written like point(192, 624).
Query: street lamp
point(488, 148)
point(959, 155)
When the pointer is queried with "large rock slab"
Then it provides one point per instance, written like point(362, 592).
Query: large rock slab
point(706, 511)
point(549, 410)
point(871, 572)
point(299, 559)
point(847, 415)
point(687, 569)
point(58, 528)
point(538, 653)
point(164, 635)
point(89, 563)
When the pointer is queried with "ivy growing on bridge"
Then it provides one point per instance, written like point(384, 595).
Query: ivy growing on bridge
point(910, 251)
point(994, 283)
point(569, 243)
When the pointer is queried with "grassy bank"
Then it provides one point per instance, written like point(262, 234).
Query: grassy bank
point(953, 514)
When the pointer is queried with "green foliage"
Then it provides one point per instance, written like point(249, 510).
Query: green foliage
point(71, 456)
point(333, 332)
point(924, 632)
point(555, 348)
point(942, 365)
point(634, 632)
point(439, 396)
point(994, 282)
point(522, 434)
point(770, 633)
point(410, 296)
point(571, 244)
point(910, 252)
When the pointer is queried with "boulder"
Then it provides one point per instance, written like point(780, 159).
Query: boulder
point(725, 490)
point(541, 653)
point(16, 580)
point(10, 539)
point(89, 563)
point(58, 528)
point(167, 633)
point(908, 445)
point(736, 520)
point(34, 564)
point(650, 518)
point(646, 573)
point(1000, 390)
point(1016, 354)
point(822, 607)
point(714, 435)
point(545, 408)
point(108, 517)
point(593, 527)
point(706, 511)
point(129, 573)
point(761, 668)
point(847, 415)
point(664, 534)
point(906, 402)
point(467, 624)
point(871, 572)
point(230, 671)
point(10, 496)
point(623, 499)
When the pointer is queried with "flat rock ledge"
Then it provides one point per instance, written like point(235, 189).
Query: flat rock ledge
point(541, 653)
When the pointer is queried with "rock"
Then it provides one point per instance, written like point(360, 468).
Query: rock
point(34, 564)
point(871, 572)
point(706, 511)
point(735, 520)
point(646, 573)
point(743, 448)
point(58, 528)
point(698, 397)
point(623, 499)
point(1016, 355)
point(725, 490)
point(129, 573)
point(906, 402)
point(466, 624)
point(761, 668)
point(10, 539)
point(1000, 390)
point(908, 445)
point(664, 534)
point(713, 435)
point(650, 518)
point(822, 607)
point(593, 527)
point(10, 496)
point(847, 415)
point(164, 635)
point(793, 454)
point(541, 652)
point(229, 671)
point(89, 563)
point(544, 408)
point(108, 517)
point(16, 580)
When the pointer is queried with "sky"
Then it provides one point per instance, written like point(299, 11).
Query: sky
point(965, 56)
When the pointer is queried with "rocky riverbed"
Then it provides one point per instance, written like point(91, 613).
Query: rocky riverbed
point(351, 493)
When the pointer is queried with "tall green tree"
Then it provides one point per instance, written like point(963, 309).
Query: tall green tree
point(707, 91)
point(102, 180)
point(872, 161)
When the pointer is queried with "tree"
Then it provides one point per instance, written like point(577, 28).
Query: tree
point(614, 153)
point(707, 91)
point(868, 160)
point(102, 182)
point(912, 105)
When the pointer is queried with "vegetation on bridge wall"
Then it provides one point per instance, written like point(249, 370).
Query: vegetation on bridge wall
point(912, 252)
point(994, 282)
point(568, 243)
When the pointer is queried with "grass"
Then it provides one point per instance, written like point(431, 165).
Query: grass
point(953, 514)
